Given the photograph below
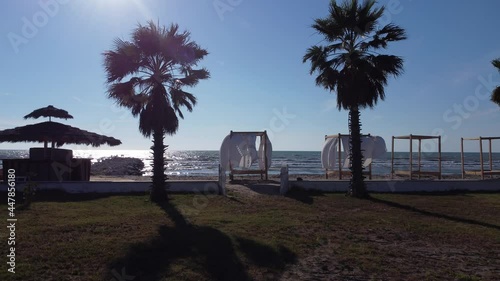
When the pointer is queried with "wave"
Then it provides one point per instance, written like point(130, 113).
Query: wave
point(299, 162)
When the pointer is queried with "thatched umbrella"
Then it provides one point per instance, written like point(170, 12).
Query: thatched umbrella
point(56, 133)
point(49, 111)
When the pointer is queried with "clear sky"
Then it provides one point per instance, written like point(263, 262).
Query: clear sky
point(51, 53)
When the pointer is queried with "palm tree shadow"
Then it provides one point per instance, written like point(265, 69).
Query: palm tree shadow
point(304, 196)
point(433, 214)
point(205, 250)
point(263, 188)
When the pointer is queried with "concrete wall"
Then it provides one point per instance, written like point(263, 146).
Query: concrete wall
point(402, 186)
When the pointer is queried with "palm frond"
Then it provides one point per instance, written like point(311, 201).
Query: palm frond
point(182, 99)
point(495, 96)
point(388, 64)
point(193, 76)
point(122, 61)
point(317, 55)
point(367, 17)
point(496, 63)
point(326, 28)
point(328, 78)
point(126, 96)
point(147, 38)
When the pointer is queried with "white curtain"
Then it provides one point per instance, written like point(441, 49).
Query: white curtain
point(345, 144)
point(373, 147)
point(329, 153)
point(239, 151)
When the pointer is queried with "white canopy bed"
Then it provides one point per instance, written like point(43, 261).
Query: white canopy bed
point(335, 154)
point(239, 154)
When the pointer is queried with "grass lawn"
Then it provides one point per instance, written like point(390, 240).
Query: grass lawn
point(300, 237)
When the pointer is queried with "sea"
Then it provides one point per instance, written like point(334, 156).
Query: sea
point(205, 163)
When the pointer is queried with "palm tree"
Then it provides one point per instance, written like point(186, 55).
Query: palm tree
point(147, 75)
point(349, 65)
point(495, 96)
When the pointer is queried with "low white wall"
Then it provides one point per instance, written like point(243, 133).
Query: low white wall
point(402, 186)
point(206, 187)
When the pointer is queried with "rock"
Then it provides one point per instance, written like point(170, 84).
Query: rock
point(117, 166)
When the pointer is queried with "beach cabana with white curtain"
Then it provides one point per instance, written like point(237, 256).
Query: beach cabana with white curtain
point(239, 153)
point(335, 154)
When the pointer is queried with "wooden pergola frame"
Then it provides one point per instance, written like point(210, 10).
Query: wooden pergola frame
point(340, 171)
point(419, 171)
point(481, 172)
point(265, 171)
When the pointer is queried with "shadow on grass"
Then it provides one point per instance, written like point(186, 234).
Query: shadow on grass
point(304, 196)
point(433, 214)
point(196, 251)
point(456, 192)
point(57, 195)
point(266, 187)
point(265, 256)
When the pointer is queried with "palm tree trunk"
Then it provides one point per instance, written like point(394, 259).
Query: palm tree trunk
point(357, 187)
point(158, 192)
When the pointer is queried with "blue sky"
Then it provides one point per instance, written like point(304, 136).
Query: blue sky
point(258, 79)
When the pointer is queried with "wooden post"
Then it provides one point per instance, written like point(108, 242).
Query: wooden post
point(340, 156)
point(491, 161)
point(264, 137)
point(481, 156)
point(419, 155)
point(392, 159)
point(326, 169)
point(462, 156)
point(411, 157)
point(231, 176)
point(439, 159)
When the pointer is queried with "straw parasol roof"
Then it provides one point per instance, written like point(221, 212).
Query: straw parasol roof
point(49, 111)
point(57, 133)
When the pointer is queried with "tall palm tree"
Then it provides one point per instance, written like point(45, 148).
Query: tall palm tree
point(349, 65)
point(147, 75)
point(495, 96)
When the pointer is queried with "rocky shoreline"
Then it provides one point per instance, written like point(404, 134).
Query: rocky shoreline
point(117, 166)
